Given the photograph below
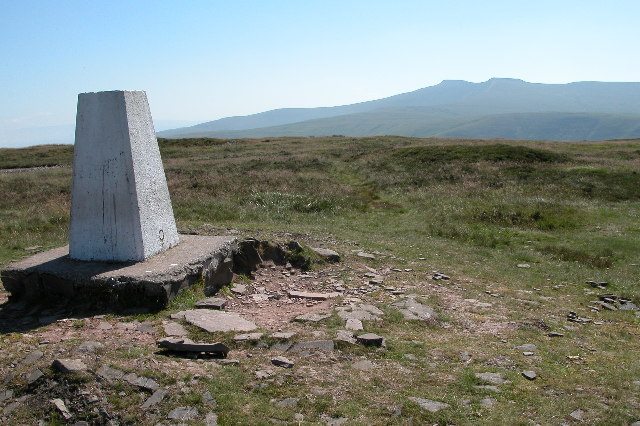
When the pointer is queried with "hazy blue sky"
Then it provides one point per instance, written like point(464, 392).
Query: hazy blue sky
point(202, 60)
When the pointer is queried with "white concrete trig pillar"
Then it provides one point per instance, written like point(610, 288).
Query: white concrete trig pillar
point(120, 206)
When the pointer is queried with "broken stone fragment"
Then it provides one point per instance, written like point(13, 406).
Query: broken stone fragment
point(366, 255)
point(429, 405)
point(218, 320)
point(89, 347)
point(312, 296)
point(183, 413)
point(110, 373)
point(67, 366)
point(495, 378)
point(154, 399)
point(345, 336)
point(282, 335)
point(247, 337)
point(312, 317)
point(281, 361)
point(264, 374)
point(529, 375)
point(370, 339)
point(34, 375)
point(330, 255)
point(31, 358)
point(59, 404)
point(287, 402)
point(141, 382)
point(411, 309)
point(354, 324)
point(187, 345)
point(320, 345)
point(239, 289)
point(174, 329)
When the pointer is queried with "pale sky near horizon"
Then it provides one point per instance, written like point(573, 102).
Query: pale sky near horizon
point(202, 60)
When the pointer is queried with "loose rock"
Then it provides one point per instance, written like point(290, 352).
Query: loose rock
point(354, 324)
point(370, 339)
point(529, 375)
point(312, 317)
point(429, 405)
point(321, 345)
point(212, 303)
point(183, 413)
point(181, 344)
point(414, 310)
point(287, 402)
point(175, 329)
point(248, 337)
point(34, 375)
point(366, 255)
point(69, 365)
point(312, 296)
point(89, 347)
point(59, 404)
point(495, 378)
point(281, 361)
point(154, 399)
point(141, 382)
point(330, 255)
point(218, 320)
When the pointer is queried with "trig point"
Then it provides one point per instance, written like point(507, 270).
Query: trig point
point(123, 244)
point(120, 206)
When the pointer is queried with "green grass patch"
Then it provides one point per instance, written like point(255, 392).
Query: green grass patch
point(442, 154)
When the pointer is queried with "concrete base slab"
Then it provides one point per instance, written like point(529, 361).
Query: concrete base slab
point(52, 277)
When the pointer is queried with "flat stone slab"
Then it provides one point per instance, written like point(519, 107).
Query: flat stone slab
point(188, 345)
point(52, 276)
point(318, 345)
point(211, 321)
point(429, 405)
point(414, 310)
point(312, 296)
point(212, 303)
point(69, 365)
point(312, 317)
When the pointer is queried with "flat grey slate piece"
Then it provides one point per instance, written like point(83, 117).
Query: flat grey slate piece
point(312, 296)
point(321, 345)
point(312, 316)
point(212, 303)
point(429, 405)
point(69, 365)
point(155, 281)
point(175, 329)
point(414, 310)
point(154, 399)
point(183, 413)
point(328, 254)
point(212, 321)
point(370, 339)
point(281, 361)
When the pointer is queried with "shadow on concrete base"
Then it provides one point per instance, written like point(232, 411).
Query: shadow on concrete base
point(52, 277)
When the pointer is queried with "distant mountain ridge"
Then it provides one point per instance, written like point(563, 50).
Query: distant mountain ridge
point(499, 107)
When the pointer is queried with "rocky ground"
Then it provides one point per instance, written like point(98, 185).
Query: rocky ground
point(287, 346)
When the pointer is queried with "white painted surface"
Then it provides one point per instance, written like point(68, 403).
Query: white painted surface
point(120, 206)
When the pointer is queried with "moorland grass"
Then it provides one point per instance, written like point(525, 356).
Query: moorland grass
point(474, 209)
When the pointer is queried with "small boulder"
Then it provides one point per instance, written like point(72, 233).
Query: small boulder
point(283, 362)
point(370, 339)
point(69, 365)
point(330, 255)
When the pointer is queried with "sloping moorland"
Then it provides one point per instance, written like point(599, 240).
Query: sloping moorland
point(518, 226)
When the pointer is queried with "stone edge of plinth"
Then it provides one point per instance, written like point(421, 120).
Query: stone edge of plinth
point(52, 278)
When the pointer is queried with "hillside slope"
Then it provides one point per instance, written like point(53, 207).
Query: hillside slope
point(428, 111)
